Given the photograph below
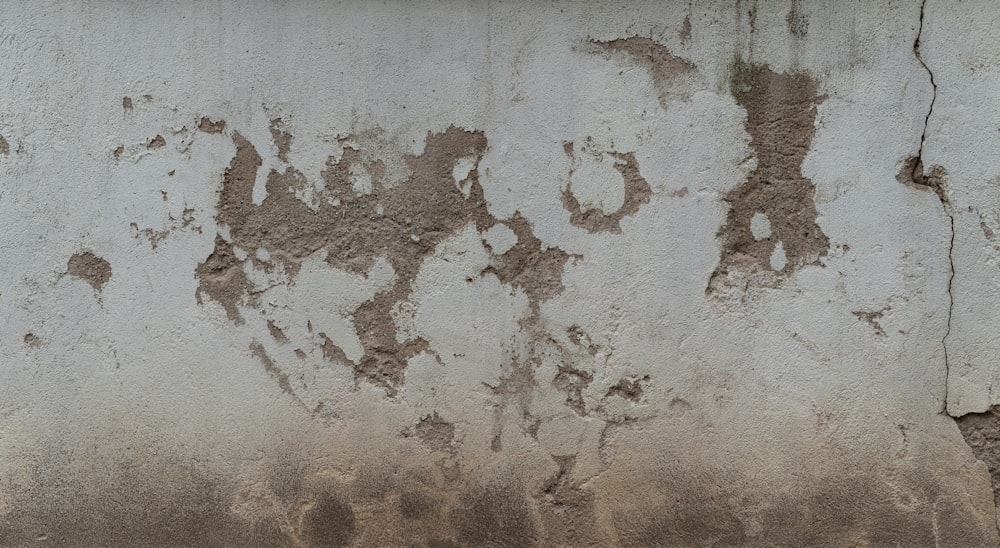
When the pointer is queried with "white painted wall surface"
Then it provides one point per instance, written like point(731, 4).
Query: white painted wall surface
point(638, 404)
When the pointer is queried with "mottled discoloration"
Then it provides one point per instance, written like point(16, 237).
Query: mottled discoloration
point(637, 193)
point(663, 66)
point(138, 502)
point(567, 511)
point(781, 112)
point(127, 104)
point(495, 513)
point(328, 521)
point(90, 268)
point(435, 432)
point(32, 340)
point(402, 223)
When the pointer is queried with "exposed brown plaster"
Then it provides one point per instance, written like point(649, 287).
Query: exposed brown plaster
point(118, 151)
point(276, 332)
point(637, 193)
point(222, 278)
point(156, 142)
point(90, 268)
point(402, 223)
point(32, 340)
point(127, 104)
point(4, 146)
point(663, 66)
point(982, 433)
point(781, 112)
point(211, 126)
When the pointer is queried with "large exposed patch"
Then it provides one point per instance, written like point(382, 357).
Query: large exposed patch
point(401, 222)
point(781, 112)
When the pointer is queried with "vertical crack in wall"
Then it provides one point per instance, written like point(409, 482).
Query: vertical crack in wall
point(935, 181)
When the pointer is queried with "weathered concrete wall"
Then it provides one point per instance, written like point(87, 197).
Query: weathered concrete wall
point(293, 273)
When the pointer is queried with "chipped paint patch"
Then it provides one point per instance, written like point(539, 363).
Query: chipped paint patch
point(90, 268)
point(781, 114)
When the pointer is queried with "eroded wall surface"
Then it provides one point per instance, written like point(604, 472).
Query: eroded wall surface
point(499, 274)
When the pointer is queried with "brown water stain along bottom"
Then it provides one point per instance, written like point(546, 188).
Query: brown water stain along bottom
point(155, 501)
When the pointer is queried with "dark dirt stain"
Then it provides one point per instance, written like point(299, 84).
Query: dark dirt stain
point(912, 174)
point(156, 142)
point(32, 340)
point(685, 33)
point(211, 126)
point(847, 507)
point(798, 23)
point(415, 504)
point(329, 522)
point(271, 368)
point(127, 104)
point(402, 223)
point(872, 318)
point(663, 66)
point(629, 388)
point(566, 509)
point(90, 268)
point(117, 152)
point(435, 432)
point(637, 193)
point(982, 433)
point(496, 513)
point(142, 503)
point(282, 139)
point(781, 111)
point(276, 332)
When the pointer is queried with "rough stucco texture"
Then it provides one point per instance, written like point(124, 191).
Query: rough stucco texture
point(499, 274)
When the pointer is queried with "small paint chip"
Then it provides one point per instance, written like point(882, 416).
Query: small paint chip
point(127, 104)
point(211, 126)
point(156, 142)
